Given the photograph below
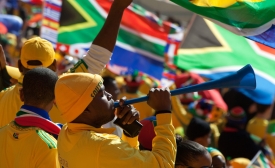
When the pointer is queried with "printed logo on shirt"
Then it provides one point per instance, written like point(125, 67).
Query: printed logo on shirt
point(63, 162)
point(80, 66)
point(15, 135)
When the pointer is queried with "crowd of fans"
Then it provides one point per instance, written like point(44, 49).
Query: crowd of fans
point(55, 113)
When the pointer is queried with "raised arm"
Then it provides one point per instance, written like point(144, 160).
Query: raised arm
point(2, 58)
point(106, 38)
point(103, 45)
point(4, 77)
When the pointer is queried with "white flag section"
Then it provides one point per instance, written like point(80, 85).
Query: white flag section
point(50, 21)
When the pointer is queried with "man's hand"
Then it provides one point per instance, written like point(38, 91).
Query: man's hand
point(122, 3)
point(127, 112)
point(159, 99)
point(2, 58)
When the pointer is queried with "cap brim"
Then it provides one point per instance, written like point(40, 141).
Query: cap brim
point(13, 72)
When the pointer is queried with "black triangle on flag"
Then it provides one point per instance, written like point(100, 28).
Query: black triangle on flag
point(200, 36)
point(68, 11)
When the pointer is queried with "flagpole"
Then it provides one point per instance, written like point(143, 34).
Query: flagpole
point(254, 159)
point(188, 28)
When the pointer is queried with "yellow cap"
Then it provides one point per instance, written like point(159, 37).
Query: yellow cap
point(74, 92)
point(13, 72)
point(37, 49)
point(239, 162)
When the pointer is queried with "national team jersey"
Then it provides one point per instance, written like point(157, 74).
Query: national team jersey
point(27, 147)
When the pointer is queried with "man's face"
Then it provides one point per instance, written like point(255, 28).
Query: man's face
point(103, 106)
point(113, 90)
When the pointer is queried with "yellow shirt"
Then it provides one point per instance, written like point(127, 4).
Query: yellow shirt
point(27, 147)
point(81, 146)
point(144, 109)
point(257, 126)
point(10, 102)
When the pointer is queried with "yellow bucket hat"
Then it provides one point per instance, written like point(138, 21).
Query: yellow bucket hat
point(74, 92)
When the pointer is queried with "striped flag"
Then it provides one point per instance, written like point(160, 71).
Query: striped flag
point(216, 52)
point(50, 21)
point(254, 19)
point(144, 41)
point(260, 161)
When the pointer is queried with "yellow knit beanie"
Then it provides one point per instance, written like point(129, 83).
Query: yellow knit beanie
point(74, 92)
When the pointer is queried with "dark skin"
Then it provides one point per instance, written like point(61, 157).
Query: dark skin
point(202, 161)
point(101, 110)
point(3, 62)
point(46, 106)
point(106, 38)
point(113, 89)
point(218, 162)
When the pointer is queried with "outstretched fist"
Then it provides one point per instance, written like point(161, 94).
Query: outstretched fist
point(159, 99)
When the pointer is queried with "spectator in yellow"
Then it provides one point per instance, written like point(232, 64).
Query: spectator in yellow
point(39, 52)
point(26, 142)
point(83, 143)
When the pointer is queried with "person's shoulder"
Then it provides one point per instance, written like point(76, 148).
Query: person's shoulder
point(45, 140)
point(9, 89)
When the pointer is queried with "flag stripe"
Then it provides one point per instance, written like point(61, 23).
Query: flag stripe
point(241, 14)
point(138, 42)
point(144, 25)
point(150, 66)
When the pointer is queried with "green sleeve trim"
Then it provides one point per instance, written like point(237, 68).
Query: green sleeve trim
point(78, 65)
point(47, 139)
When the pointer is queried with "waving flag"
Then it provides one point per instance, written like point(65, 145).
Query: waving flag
point(216, 52)
point(50, 21)
point(260, 160)
point(144, 41)
point(249, 18)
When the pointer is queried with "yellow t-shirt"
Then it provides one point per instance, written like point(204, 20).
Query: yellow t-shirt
point(144, 109)
point(257, 126)
point(10, 102)
point(83, 146)
point(27, 147)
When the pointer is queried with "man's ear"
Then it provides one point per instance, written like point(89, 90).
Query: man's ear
point(20, 66)
point(21, 94)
